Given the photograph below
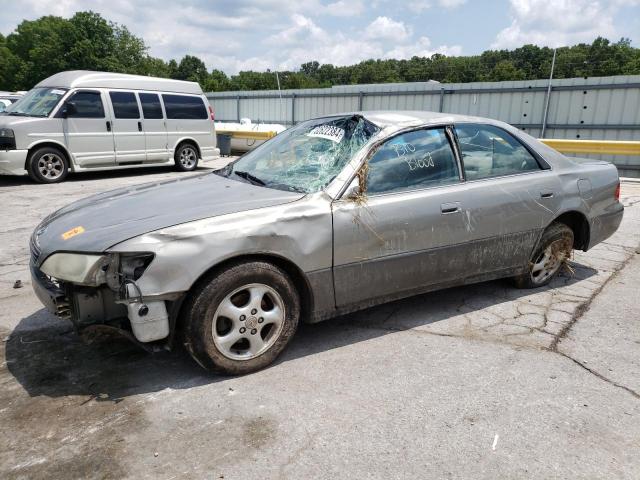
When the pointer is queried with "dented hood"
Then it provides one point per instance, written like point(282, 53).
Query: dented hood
point(98, 222)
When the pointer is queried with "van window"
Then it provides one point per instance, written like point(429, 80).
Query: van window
point(184, 107)
point(88, 105)
point(124, 105)
point(151, 108)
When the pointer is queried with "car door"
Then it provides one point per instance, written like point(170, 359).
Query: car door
point(86, 128)
point(512, 196)
point(407, 230)
point(154, 127)
point(127, 128)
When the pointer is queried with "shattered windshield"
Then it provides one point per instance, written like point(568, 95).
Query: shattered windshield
point(304, 158)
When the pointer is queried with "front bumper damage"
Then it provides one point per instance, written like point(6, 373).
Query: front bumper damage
point(102, 308)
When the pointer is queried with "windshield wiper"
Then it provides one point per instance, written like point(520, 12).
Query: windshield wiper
point(252, 178)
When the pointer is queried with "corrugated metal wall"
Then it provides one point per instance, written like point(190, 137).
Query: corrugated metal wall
point(599, 108)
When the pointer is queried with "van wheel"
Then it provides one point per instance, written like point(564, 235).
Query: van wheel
point(553, 249)
point(186, 157)
point(47, 165)
point(242, 319)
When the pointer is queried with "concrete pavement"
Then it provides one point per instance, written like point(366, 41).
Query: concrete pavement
point(483, 381)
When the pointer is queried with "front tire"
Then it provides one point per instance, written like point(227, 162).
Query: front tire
point(186, 157)
point(47, 165)
point(240, 320)
point(553, 249)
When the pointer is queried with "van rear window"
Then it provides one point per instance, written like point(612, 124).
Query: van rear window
point(183, 107)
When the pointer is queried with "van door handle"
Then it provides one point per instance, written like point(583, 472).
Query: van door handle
point(108, 126)
point(546, 194)
point(139, 126)
point(447, 208)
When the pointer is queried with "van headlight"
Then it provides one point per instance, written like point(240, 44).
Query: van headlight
point(6, 132)
point(79, 268)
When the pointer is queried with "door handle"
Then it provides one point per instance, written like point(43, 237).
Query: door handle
point(447, 208)
point(546, 194)
point(139, 126)
point(108, 126)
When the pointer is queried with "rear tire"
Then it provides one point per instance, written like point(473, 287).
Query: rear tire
point(186, 157)
point(241, 319)
point(553, 249)
point(47, 165)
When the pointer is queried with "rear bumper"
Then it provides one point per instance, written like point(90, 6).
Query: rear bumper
point(12, 162)
point(605, 225)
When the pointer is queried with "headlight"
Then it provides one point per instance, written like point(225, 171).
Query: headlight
point(75, 267)
point(6, 132)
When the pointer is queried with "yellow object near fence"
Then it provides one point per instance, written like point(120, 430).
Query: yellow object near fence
point(247, 134)
point(610, 147)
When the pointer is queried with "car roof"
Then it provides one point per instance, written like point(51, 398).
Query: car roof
point(412, 117)
point(90, 79)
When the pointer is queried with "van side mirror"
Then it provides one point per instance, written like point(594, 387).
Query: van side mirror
point(69, 109)
point(353, 190)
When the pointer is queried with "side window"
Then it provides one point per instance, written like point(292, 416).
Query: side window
point(151, 108)
point(88, 105)
point(184, 107)
point(418, 159)
point(124, 105)
point(488, 151)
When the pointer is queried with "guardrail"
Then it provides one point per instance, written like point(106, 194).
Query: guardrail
point(609, 147)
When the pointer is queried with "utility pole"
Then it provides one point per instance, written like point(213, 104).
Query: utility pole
point(546, 104)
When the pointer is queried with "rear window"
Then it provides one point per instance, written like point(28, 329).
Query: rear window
point(124, 105)
point(151, 108)
point(182, 107)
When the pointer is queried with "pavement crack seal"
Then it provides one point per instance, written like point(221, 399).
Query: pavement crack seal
point(599, 375)
point(577, 315)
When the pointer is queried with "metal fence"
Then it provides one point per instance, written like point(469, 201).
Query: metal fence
point(599, 108)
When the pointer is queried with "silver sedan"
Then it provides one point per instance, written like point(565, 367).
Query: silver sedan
point(333, 215)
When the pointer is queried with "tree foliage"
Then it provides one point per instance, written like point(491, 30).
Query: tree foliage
point(39, 48)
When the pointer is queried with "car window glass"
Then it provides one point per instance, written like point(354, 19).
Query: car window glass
point(151, 108)
point(124, 105)
point(88, 105)
point(183, 107)
point(417, 159)
point(489, 151)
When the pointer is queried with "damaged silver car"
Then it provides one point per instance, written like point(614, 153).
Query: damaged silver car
point(333, 215)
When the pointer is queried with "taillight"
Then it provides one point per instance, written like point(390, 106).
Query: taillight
point(617, 194)
point(213, 115)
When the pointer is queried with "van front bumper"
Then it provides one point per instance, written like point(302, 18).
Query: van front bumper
point(12, 162)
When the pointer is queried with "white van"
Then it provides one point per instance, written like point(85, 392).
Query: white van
point(80, 121)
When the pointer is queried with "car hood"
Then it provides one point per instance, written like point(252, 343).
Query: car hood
point(101, 221)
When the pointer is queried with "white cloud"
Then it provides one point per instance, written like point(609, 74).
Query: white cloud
point(345, 8)
point(419, 6)
point(385, 28)
point(559, 23)
point(421, 48)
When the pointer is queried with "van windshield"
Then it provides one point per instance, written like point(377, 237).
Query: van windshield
point(38, 102)
point(304, 158)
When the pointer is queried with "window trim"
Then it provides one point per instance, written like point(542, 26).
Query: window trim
point(199, 97)
point(543, 165)
point(71, 94)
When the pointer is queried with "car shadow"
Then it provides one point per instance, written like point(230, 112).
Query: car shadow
point(48, 358)
point(8, 180)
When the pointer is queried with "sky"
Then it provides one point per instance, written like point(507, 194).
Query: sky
point(235, 35)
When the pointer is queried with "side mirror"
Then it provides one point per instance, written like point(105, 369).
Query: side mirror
point(353, 190)
point(69, 110)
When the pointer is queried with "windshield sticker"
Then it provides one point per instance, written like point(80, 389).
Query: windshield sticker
point(58, 92)
point(329, 132)
point(72, 233)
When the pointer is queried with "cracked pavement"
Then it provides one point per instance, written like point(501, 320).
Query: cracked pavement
point(481, 381)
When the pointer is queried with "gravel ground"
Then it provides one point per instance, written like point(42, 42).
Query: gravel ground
point(483, 381)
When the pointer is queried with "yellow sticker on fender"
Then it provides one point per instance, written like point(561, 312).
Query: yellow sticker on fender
point(72, 233)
